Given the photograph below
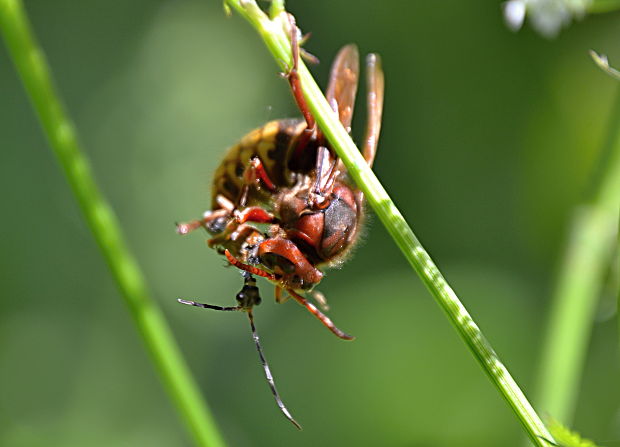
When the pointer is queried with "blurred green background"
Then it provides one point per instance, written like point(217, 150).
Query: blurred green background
point(488, 143)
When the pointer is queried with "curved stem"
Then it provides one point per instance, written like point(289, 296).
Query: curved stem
point(276, 38)
point(589, 251)
point(36, 77)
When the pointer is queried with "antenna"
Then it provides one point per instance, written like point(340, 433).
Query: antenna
point(268, 375)
point(247, 298)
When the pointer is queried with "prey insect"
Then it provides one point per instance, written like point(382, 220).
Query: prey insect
point(247, 298)
point(285, 176)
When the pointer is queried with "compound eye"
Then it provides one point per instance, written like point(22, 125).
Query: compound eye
point(340, 222)
point(273, 260)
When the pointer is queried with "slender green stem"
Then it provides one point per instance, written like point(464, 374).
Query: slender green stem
point(35, 75)
point(580, 282)
point(616, 274)
point(276, 8)
point(614, 284)
point(277, 40)
point(603, 6)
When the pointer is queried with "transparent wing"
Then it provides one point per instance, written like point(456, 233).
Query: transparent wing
point(375, 85)
point(343, 84)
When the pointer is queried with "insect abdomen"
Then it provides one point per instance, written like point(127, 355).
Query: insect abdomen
point(272, 143)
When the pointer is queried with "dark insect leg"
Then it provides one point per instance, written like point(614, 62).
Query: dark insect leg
point(268, 374)
point(320, 315)
point(247, 297)
point(209, 306)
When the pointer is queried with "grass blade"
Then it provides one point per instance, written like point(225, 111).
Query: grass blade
point(150, 322)
point(589, 252)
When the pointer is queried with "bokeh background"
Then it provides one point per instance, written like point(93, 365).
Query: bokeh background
point(489, 141)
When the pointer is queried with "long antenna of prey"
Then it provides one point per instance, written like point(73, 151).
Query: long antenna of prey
point(263, 361)
point(268, 374)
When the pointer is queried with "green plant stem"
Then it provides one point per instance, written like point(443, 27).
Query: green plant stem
point(616, 274)
point(603, 6)
point(276, 8)
point(35, 75)
point(277, 41)
point(580, 282)
point(614, 282)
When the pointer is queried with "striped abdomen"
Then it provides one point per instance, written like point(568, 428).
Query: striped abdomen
point(273, 143)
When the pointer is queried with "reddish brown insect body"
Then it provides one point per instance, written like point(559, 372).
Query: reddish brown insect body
point(285, 174)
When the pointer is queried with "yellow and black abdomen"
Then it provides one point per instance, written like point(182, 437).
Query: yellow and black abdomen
point(273, 143)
